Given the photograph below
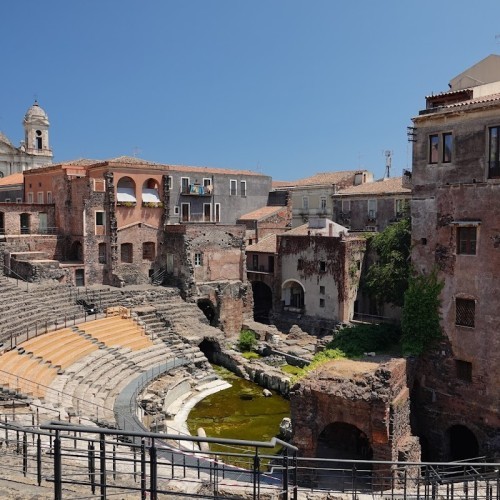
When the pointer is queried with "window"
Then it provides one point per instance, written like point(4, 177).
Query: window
point(207, 185)
point(433, 148)
point(494, 152)
point(100, 222)
point(176, 210)
point(321, 302)
point(322, 203)
point(233, 187)
point(401, 206)
point(305, 202)
point(207, 212)
point(255, 262)
point(125, 191)
point(270, 263)
point(102, 253)
point(126, 252)
point(217, 212)
point(243, 189)
point(346, 206)
point(447, 147)
point(185, 212)
point(169, 182)
point(19, 200)
point(372, 209)
point(148, 250)
point(38, 139)
point(49, 197)
point(184, 185)
point(322, 290)
point(465, 312)
point(7, 200)
point(466, 240)
point(30, 197)
point(300, 264)
point(322, 266)
point(464, 370)
point(198, 261)
point(40, 197)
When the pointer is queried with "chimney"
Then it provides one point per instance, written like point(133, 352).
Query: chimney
point(330, 229)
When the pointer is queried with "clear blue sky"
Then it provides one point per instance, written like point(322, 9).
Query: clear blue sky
point(285, 87)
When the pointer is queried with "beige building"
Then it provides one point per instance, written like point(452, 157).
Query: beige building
point(313, 196)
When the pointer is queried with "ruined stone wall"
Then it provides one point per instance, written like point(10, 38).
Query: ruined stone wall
point(375, 400)
point(12, 217)
point(448, 196)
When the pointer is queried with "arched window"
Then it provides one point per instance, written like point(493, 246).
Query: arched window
point(292, 294)
point(125, 190)
point(150, 193)
point(126, 252)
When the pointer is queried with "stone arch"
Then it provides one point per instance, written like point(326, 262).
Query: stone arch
point(344, 441)
point(293, 294)
point(209, 310)
point(125, 190)
point(462, 443)
point(150, 191)
point(76, 251)
point(262, 301)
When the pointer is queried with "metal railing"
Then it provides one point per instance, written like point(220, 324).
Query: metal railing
point(108, 462)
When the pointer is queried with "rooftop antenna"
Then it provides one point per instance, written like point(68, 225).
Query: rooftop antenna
point(388, 161)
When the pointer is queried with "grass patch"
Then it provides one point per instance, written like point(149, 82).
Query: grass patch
point(251, 355)
point(292, 370)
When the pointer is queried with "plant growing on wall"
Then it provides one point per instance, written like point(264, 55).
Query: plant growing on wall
point(421, 318)
point(387, 279)
point(247, 340)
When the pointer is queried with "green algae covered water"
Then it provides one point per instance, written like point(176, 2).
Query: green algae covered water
point(239, 412)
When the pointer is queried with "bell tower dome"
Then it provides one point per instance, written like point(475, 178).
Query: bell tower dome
point(36, 132)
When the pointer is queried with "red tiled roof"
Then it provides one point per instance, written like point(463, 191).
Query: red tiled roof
point(265, 245)
point(260, 213)
point(393, 185)
point(322, 178)
point(11, 180)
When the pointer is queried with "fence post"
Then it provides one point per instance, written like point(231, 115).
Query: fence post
point(25, 454)
point(143, 469)
point(153, 457)
point(102, 464)
point(91, 455)
point(57, 467)
point(39, 460)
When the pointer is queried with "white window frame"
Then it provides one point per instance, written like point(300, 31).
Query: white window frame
point(322, 203)
point(49, 197)
point(182, 178)
point(198, 259)
point(30, 197)
point(231, 182)
point(346, 206)
point(103, 225)
point(243, 189)
point(217, 214)
point(170, 182)
point(305, 202)
point(211, 214)
point(7, 200)
point(176, 210)
point(372, 208)
point(19, 200)
point(189, 212)
point(39, 197)
point(207, 181)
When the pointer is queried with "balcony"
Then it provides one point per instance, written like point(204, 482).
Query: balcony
point(197, 190)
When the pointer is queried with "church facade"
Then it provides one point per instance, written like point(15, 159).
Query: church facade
point(34, 151)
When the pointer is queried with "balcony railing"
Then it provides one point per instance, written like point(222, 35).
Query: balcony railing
point(197, 190)
point(29, 230)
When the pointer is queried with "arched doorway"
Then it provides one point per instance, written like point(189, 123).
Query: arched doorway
point(342, 440)
point(462, 443)
point(262, 301)
point(209, 311)
point(292, 294)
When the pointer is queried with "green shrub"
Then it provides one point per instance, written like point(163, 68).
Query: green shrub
point(356, 340)
point(247, 340)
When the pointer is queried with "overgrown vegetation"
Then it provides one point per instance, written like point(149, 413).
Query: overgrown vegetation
point(247, 340)
point(358, 339)
point(318, 359)
point(251, 355)
point(420, 322)
point(387, 279)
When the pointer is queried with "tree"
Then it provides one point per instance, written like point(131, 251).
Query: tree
point(387, 279)
point(420, 323)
